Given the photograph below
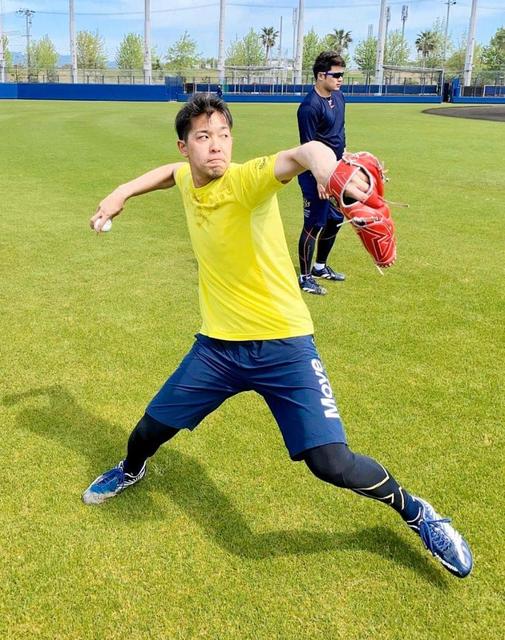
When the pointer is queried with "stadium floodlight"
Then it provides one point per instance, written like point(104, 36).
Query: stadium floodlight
point(388, 20)
point(299, 44)
point(28, 13)
point(449, 4)
point(148, 69)
point(470, 46)
point(220, 54)
point(405, 15)
point(295, 25)
point(381, 41)
point(73, 50)
point(279, 55)
point(2, 54)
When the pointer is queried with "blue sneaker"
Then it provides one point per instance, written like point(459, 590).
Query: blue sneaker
point(443, 541)
point(308, 284)
point(110, 483)
point(327, 273)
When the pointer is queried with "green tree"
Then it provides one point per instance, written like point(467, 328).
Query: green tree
point(430, 45)
point(493, 56)
point(43, 54)
point(425, 44)
point(90, 50)
point(210, 63)
point(268, 37)
point(455, 63)
point(247, 52)
point(7, 53)
point(183, 55)
point(156, 62)
point(312, 47)
point(397, 49)
point(339, 40)
point(130, 53)
point(365, 55)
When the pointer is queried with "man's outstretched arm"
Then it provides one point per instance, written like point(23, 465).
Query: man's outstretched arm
point(112, 205)
point(321, 161)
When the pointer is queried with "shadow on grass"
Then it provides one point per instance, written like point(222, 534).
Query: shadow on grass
point(186, 482)
point(53, 413)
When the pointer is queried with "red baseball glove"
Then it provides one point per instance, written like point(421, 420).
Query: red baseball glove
point(371, 218)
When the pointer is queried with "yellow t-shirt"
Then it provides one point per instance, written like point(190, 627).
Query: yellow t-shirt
point(247, 282)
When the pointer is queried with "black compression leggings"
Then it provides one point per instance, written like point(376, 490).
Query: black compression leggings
point(326, 240)
point(338, 465)
point(145, 440)
point(333, 463)
point(325, 237)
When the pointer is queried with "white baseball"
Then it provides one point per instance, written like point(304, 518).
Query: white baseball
point(107, 225)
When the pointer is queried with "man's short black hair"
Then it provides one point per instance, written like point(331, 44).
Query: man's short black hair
point(200, 103)
point(326, 60)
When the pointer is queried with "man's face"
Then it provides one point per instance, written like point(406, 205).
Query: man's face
point(328, 82)
point(208, 147)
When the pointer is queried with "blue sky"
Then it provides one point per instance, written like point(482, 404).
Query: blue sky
point(170, 18)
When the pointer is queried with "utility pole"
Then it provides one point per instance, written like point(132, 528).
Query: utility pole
point(28, 13)
point(470, 45)
point(148, 67)
point(220, 55)
point(299, 43)
point(449, 3)
point(280, 44)
point(73, 51)
point(370, 31)
point(379, 71)
point(405, 15)
point(2, 53)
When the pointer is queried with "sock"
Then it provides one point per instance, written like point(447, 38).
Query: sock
point(319, 265)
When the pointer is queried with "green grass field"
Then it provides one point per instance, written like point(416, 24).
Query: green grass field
point(227, 539)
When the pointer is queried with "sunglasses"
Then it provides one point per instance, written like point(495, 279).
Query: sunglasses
point(335, 74)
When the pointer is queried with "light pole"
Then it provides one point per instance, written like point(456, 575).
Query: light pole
point(220, 53)
point(470, 46)
point(2, 54)
point(299, 43)
point(388, 20)
point(405, 15)
point(73, 52)
point(381, 39)
point(28, 13)
point(295, 23)
point(449, 4)
point(148, 68)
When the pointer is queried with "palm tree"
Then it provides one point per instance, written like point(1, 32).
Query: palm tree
point(268, 38)
point(426, 43)
point(339, 40)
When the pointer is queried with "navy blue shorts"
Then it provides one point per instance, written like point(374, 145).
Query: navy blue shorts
point(288, 373)
point(316, 212)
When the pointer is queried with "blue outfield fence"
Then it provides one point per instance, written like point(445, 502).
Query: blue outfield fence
point(494, 91)
point(173, 90)
point(297, 89)
point(106, 92)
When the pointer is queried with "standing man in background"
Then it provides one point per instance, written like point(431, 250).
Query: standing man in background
point(321, 117)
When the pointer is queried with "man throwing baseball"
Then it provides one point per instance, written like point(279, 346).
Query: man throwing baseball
point(256, 332)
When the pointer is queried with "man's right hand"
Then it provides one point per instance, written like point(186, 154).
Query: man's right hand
point(109, 208)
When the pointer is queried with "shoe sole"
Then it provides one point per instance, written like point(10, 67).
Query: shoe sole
point(90, 497)
point(328, 278)
point(315, 293)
